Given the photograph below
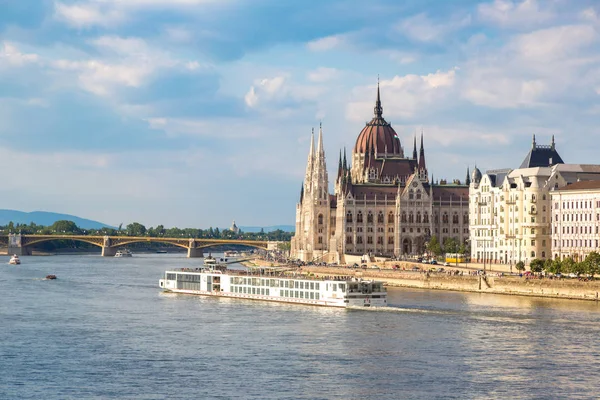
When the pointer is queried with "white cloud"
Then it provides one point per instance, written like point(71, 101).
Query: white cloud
point(83, 14)
point(323, 74)
point(523, 14)
point(264, 89)
point(326, 43)
point(423, 29)
point(554, 43)
point(12, 56)
point(404, 96)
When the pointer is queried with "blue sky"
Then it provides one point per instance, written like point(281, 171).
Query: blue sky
point(192, 113)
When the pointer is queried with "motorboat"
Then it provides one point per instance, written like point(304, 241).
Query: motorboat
point(123, 253)
point(14, 260)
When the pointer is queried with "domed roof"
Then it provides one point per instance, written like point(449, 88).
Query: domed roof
point(476, 175)
point(378, 135)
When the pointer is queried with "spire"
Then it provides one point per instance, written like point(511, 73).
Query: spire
point(422, 165)
point(468, 179)
point(320, 150)
point(340, 166)
point(378, 109)
point(415, 148)
point(345, 164)
point(302, 193)
point(553, 145)
point(311, 151)
point(534, 141)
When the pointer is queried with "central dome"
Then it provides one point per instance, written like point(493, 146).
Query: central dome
point(378, 135)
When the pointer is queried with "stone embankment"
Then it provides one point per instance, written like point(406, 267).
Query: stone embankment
point(492, 283)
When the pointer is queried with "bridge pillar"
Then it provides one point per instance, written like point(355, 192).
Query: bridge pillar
point(195, 253)
point(15, 245)
point(108, 251)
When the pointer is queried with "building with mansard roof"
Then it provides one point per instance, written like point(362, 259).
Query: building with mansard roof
point(511, 211)
point(383, 202)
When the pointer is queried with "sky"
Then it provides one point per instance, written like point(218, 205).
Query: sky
point(192, 113)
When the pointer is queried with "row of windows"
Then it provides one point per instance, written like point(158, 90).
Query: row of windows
point(380, 217)
point(573, 243)
point(298, 294)
point(576, 229)
point(359, 240)
point(574, 205)
point(292, 284)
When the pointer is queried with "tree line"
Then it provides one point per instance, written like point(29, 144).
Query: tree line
point(65, 227)
point(589, 266)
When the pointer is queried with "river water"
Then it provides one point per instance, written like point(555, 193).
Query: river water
point(103, 330)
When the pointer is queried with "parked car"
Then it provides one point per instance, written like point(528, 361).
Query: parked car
point(446, 264)
point(433, 262)
point(364, 266)
point(416, 268)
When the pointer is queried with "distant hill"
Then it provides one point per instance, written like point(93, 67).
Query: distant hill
point(285, 228)
point(46, 219)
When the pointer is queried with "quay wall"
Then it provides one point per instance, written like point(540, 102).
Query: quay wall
point(555, 288)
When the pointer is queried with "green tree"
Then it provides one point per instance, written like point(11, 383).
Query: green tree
point(450, 245)
point(520, 266)
point(592, 262)
point(135, 229)
point(433, 246)
point(568, 265)
point(65, 227)
point(536, 265)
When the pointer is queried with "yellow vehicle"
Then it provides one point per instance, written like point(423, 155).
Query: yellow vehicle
point(455, 258)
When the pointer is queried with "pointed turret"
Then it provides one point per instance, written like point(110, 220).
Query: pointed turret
point(345, 163)
point(320, 150)
point(378, 108)
point(310, 163)
point(302, 193)
point(340, 166)
point(415, 149)
point(533, 144)
point(422, 164)
point(468, 179)
point(552, 145)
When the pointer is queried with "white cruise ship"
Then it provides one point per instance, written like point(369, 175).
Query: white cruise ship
point(276, 286)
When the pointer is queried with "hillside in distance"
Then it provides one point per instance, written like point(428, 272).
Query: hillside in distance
point(46, 218)
point(267, 229)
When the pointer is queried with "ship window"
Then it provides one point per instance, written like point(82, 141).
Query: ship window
point(301, 294)
point(312, 295)
point(296, 295)
point(301, 285)
point(317, 285)
point(296, 284)
point(312, 286)
point(334, 287)
point(342, 287)
point(267, 291)
point(171, 277)
point(317, 296)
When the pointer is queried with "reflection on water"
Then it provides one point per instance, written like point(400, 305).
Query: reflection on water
point(104, 330)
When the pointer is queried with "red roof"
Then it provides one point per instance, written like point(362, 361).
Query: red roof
point(581, 185)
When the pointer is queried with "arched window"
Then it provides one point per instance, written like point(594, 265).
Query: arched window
point(533, 254)
point(455, 218)
point(391, 218)
point(320, 219)
point(419, 194)
point(445, 218)
point(403, 219)
point(425, 217)
point(435, 218)
point(411, 194)
point(418, 217)
point(359, 217)
point(369, 218)
point(466, 218)
point(348, 216)
point(411, 217)
point(380, 217)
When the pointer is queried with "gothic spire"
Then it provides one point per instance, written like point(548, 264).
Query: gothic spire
point(378, 108)
point(415, 148)
point(302, 193)
point(468, 179)
point(533, 144)
point(340, 166)
point(345, 164)
point(422, 165)
point(553, 145)
point(320, 150)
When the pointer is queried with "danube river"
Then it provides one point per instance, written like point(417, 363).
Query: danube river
point(103, 330)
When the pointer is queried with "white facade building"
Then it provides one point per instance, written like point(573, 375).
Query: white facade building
point(510, 209)
point(576, 220)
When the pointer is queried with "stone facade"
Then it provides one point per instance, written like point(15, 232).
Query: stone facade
point(510, 210)
point(576, 220)
point(383, 203)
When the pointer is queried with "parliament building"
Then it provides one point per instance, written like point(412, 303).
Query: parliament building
point(384, 203)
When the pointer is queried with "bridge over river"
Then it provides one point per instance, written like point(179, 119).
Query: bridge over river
point(22, 244)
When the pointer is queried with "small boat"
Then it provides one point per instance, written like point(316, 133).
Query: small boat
point(123, 253)
point(231, 254)
point(50, 277)
point(14, 260)
point(161, 251)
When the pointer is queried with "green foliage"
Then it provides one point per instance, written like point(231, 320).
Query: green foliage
point(462, 249)
point(433, 246)
point(568, 265)
point(520, 266)
point(592, 263)
point(450, 245)
point(135, 229)
point(64, 227)
point(553, 266)
point(536, 265)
